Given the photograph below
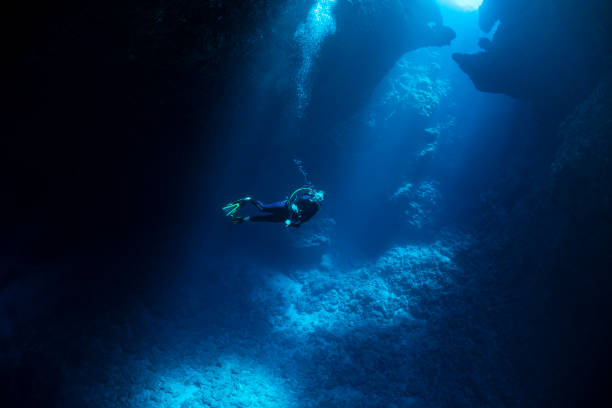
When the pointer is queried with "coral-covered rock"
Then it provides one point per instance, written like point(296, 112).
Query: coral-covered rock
point(415, 86)
point(369, 38)
point(421, 202)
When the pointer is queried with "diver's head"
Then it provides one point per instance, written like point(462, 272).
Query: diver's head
point(318, 196)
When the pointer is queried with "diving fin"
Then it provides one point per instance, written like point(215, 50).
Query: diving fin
point(231, 208)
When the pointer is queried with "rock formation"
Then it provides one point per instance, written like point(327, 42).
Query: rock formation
point(370, 37)
point(549, 53)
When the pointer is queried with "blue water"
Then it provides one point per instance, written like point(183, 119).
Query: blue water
point(404, 290)
point(356, 308)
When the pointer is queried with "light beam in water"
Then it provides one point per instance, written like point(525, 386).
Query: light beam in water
point(310, 34)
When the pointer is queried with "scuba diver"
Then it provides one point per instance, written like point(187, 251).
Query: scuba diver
point(293, 211)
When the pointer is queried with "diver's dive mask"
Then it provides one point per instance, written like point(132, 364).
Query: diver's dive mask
point(318, 196)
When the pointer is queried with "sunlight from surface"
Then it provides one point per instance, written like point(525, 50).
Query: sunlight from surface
point(464, 5)
point(309, 35)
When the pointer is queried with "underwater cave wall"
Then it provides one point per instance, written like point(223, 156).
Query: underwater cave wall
point(549, 242)
point(546, 228)
point(109, 114)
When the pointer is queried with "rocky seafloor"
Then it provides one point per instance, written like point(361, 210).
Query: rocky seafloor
point(375, 335)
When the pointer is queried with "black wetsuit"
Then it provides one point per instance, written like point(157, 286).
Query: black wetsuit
point(280, 212)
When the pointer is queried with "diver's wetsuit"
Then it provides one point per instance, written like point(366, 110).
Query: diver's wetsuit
point(280, 212)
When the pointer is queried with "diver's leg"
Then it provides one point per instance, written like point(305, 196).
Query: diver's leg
point(277, 212)
point(265, 218)
point(256, 203)
point(276, 207)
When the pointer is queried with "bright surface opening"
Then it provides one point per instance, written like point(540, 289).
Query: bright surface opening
point(464, 5)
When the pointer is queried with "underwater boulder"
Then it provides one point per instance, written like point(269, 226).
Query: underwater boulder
point(367, 38)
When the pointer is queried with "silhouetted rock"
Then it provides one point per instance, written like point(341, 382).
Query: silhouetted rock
point(551, 53)
point(484, 43)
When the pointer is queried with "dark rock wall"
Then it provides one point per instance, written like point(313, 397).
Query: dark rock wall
point(546, 228)
point(105, 110)
point(546, 231)
point(582, 187)
point(104, 116)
